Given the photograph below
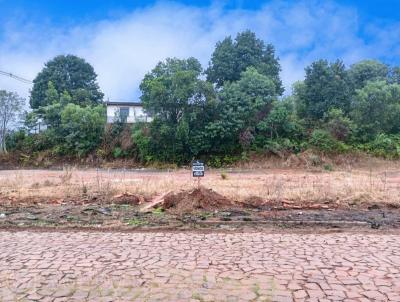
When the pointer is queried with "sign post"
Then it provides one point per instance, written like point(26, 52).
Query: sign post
point(198, 170)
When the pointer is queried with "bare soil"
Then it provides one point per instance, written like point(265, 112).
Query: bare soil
point(104, 199)
point(129, 217)
point(194, 200)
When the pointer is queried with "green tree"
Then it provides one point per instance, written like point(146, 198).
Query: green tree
point(231, 58)
point(82, 128)
point(339, 126)
point(10, 107)
point(394, 76)
point(281, 121)
point(180, 103)
point(66, 73)
point(241, 106)
point(326, 86)
point(376, 109)
point(365, 71)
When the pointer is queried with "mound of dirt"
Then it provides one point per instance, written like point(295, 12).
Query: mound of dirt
point(196, 199)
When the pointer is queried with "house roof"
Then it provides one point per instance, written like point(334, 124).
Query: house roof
point(116, 103)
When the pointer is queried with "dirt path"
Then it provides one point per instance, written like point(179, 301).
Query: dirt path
point(79, 266)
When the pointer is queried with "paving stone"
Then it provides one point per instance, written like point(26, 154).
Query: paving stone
point(101, 266)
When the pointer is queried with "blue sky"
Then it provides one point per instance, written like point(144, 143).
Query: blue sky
point(124, 39)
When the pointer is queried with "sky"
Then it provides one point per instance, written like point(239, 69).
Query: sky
point(125, 39)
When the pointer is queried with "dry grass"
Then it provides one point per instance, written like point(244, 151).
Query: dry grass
point(299, 186)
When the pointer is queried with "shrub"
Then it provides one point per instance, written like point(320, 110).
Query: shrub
point(384, 145)
point(324, 141)
point(117, 152)
point(82, 128)
point(281, 146)
point(338, 125)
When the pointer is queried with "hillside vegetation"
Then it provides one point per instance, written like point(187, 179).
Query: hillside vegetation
point(234, 109)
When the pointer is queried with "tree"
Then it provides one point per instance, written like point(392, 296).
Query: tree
point(82, 128)
point(67, 74)
point(339, 125)
point(376, 109)
point(231, 58)
point(10, 106)
point(281, 121)
point(394, 76)
point(180, 103)
point(365, 71)
point(325, 87)
point(241, 106)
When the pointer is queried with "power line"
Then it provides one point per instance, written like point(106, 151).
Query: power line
point(9, 74)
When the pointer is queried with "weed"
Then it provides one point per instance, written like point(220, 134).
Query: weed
point(256, 289)
point(328, 167)
point(224, 176)
point(158, 211)
point(136, 222)
point(84, 189)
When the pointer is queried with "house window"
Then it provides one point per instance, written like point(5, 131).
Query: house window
point(123, 114)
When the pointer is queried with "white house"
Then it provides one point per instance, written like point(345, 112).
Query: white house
point(127, 112)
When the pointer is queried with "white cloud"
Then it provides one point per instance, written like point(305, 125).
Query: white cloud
point(122, 50)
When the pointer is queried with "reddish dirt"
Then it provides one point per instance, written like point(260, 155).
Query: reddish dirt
point(197, 199)
point(128, 198)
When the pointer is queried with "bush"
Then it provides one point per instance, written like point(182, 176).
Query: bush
point(29, 143)
point(281, 146)
point(117, 152)
point(338, 125)
point(324, 141)
point(82, 129)
point(384, 145)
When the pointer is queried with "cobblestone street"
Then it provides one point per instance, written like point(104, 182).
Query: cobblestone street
point(80, 266)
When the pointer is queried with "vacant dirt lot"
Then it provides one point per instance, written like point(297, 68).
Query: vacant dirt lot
point(347, 188)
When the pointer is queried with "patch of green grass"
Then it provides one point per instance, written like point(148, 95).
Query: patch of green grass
point(136, 222)
point(158, 211)
point(205, 215)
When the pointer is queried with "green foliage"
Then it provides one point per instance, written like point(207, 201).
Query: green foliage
point(281, 146)
point(181, 104)
point(241, 106)
point(385, 146)
point(236, 111)
point(69, 74)
point(82, 129)
point(376, 109)
point(326, 86)
point(142, 141)
point(117, 152)
point(339, 126)
point(231, 58)
point(281, 122)
point(324, 141)
point(218, 161)
point(365, 71)
point(10, 108)
point(394, 75)
point(26, 142)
